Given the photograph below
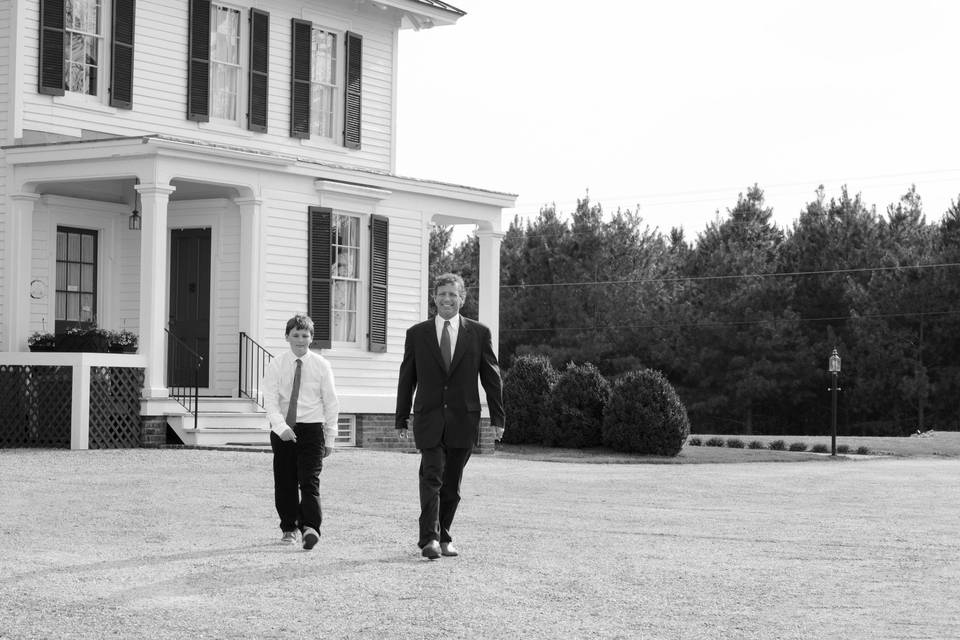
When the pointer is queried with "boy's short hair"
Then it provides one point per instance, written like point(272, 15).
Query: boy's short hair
point(450, 278)
point(300, 321)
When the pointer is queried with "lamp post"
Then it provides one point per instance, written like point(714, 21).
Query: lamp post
point(833, 366)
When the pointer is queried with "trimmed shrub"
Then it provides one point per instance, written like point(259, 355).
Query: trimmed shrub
point(645, 415)
point(715, 442)
point(756, 444)
point(526, 396)
point(863, 451)
point(694, 442)
point(577, 402)
point(777, 445)
point(735, 443)
point(820, 448)
point(843, 448)
point(798, 446)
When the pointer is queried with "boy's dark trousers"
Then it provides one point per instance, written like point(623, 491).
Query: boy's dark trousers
point(296, 477)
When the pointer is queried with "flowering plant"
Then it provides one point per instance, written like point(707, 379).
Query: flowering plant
point(41, 339)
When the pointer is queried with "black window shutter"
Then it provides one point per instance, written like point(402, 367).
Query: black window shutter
point(259, 67)
point(121, 80)
point(379, 244)
point(300, 79)
point(198, 64)
point(51, 47)
point(352, 92)
point(319, 284)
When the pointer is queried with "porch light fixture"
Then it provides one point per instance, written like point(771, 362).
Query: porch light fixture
point(134, 222)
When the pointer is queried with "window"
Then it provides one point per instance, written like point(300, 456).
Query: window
point(82, 40)
point(76, 292)
point(324, 87)
point(73, 49)
point(224, 62)
point(325, 84)
point(215, 75)
point(338, 287)
point(345, 242)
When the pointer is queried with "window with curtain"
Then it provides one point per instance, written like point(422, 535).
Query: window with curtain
point(324, 83)
point(345, 273)
point(76, 292)
point(82, 46)
point(225, 67)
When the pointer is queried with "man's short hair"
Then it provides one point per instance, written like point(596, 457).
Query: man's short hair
point(300, 321)
point(450, 278)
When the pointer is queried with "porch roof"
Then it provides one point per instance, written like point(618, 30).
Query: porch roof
point(59, 153)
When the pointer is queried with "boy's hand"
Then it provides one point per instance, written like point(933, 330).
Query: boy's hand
point(327, 451)
point(288, 435)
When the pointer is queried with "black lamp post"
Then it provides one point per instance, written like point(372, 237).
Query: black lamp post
point(833, 367)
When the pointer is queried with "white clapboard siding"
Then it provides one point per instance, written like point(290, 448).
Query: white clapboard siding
point(160, 91)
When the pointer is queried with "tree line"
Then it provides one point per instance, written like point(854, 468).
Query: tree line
point(742, 319)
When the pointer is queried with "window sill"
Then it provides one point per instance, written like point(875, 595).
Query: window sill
point(87, 103)
point(223, 126)
point(324, 145)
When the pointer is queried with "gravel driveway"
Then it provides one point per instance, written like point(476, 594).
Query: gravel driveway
point(183, 544)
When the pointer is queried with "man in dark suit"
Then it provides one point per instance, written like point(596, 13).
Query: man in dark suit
point(442, 360)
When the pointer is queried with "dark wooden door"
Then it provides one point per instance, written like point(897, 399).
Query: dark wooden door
point(189, 306)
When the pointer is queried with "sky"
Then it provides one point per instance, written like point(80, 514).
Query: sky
point(674, 108)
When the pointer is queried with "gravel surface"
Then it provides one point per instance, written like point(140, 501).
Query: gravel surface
point(184, 544)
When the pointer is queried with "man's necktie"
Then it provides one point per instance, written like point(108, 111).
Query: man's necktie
point(445, 349)
point(294, 394)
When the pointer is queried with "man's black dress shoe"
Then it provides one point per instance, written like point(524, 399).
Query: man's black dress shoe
point(431, 550)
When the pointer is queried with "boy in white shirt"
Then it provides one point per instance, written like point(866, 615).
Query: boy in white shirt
point(301, 403)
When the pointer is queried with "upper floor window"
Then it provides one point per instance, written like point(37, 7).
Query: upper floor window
point(326, 84)
point(225, 69)
point(220, 45)
point(74, 52)
point(82, 46)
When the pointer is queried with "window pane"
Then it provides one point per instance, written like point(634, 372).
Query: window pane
point(73, 307)
point(73, 247)
point(86, 248)
point(86, 307)
point(61, 275)
point(73, 276)
point(61, 306)
point(61, 245)
point(86, 277)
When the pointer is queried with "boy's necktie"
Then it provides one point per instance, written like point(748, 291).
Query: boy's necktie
point(445, 345)
point(294, 393)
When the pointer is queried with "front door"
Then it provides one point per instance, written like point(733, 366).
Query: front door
point(189, 308)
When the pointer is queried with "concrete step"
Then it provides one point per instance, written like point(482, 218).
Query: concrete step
point(221, 428)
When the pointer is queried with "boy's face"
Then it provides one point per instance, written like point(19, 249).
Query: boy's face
point(299, 341)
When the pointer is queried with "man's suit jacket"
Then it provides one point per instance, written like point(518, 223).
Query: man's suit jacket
point(447, 404)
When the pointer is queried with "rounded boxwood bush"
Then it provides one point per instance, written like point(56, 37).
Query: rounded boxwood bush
point(577, 402)
point(526, 396)
point(645, 415)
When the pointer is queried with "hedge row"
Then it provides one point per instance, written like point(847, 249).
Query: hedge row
point(638, 412)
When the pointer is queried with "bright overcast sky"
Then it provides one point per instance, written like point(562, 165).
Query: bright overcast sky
point(676, 107)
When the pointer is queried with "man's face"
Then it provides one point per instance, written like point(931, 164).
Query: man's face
point(448, 301)
point(299, 340)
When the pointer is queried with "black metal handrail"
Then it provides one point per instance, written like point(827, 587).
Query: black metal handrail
point(253, 364)
point(182, 357)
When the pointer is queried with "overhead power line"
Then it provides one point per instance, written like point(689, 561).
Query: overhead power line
point(731, 323)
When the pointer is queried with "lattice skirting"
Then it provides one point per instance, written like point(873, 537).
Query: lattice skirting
point(35, 406)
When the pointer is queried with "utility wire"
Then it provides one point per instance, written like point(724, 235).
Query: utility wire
point(701, 325)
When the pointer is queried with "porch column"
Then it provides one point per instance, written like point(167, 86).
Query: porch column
point(489, 276)
point(153, 286)
point(250, 216)
point(19, 253)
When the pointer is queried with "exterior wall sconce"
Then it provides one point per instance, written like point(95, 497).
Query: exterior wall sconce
point(134, 222)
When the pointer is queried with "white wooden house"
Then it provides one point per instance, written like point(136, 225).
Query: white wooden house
point(198, 168)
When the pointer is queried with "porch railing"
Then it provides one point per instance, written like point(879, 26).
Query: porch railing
point(184, 361)
point(253, 364)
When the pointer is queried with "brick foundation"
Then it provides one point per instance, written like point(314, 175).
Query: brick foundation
point(153, 433)
point(377, 432)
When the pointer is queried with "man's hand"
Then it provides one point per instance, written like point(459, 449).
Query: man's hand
point(402, 434)
point(288, 434)
point(327, 451)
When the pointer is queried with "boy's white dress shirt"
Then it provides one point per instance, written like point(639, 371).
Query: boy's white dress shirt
point(317, 400)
